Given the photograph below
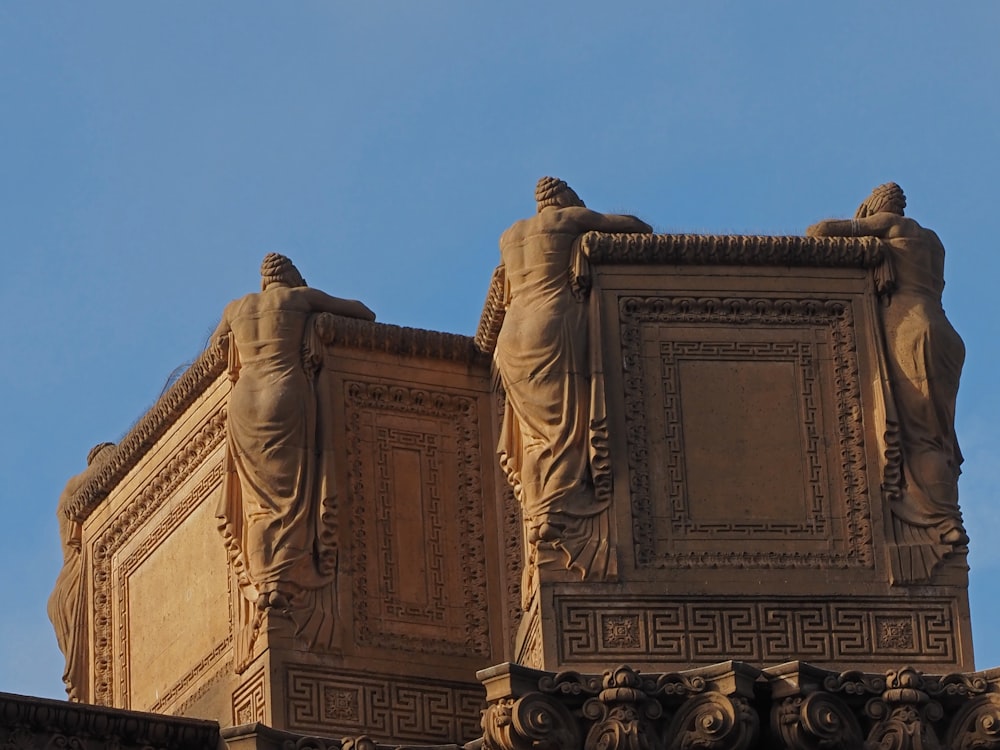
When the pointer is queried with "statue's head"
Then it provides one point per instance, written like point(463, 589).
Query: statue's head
point(888, 198)
point(551, 191)
point(98, 450)
point(279, 269)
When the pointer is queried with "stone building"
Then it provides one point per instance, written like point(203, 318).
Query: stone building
point(723, 515)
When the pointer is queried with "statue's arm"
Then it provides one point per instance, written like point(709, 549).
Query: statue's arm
point(598, 222)
point(877, 225)
point(349, 308)
point(218, 339)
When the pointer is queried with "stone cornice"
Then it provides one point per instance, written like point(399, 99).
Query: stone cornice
point(40, 723)
point(732, 250)
point(697, 250)
point(399, 340)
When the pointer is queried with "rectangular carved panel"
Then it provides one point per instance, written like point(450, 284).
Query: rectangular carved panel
point(111, 573)
point(692, 630)
point(417, 513)
point(728, 405)
point(384, 707)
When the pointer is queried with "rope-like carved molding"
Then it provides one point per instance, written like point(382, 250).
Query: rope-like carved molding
point(697, 250)
point(164, 414)
point(398, 340)
point(37, 723)
point(733, 250)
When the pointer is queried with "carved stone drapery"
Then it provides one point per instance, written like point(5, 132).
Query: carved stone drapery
point(921, 366)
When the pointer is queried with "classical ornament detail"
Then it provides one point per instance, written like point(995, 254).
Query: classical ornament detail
point(39, 724)
point(901, 709)
point(724, 706)
point(438, 434)
point(702, 250)
point(135, 513)
point(343, 702)
point(249, 700)
point(531, 721)
point(732, 250)
point(405, 342)
point(818, 721)
point(515, 572)
point(626, 710)
point(770, 631)
point(823, 362)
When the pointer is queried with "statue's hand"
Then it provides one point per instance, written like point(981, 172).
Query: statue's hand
point(221, 345)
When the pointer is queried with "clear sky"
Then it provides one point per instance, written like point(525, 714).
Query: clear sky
point(152, 153)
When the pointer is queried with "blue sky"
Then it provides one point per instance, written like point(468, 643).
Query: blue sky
point(151, 153)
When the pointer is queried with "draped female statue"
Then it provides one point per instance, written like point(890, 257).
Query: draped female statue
point(552, 438)
point(277, 509)
point(67, 605)
point(924, 357)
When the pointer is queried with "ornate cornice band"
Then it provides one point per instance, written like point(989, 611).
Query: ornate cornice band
point(697, 250)
point(732, 250)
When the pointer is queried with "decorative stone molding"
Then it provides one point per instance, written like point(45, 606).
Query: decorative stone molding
point(623, 710)
point(700, 250)
point(132, 516)
point(39, 724)
point(794, 706)
point(733, 250)
point(442, 430)
point(824, 358)
point(405, 342)
point(693, 630)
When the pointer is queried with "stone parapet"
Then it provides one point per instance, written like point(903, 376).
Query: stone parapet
point(36, 723)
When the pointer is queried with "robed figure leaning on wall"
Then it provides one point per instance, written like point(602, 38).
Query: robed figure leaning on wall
point(923, 360)
point(67, 605)
point(277, 513)
point(553, 441)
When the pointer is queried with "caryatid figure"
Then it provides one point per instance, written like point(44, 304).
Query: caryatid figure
point(68, 604)
point(276, 513)
point(924, 357)
point(553, 437)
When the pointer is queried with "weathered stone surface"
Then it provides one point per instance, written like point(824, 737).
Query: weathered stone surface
point(418, 535)
point(746, 394)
